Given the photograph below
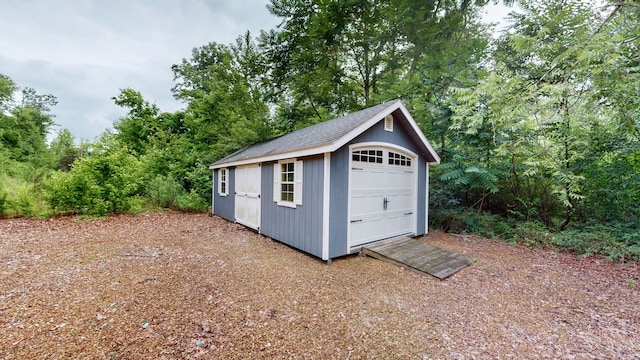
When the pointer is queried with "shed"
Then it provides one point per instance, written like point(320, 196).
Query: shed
point(331, 188)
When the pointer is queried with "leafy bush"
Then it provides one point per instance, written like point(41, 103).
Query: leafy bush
point(199, 180)
point(192, 202)
point(614, 242)
point(20, 198)
point(529, 233)
point(3, 202)
point(97, 185)
point(470, 221)
point(164, 191)
point(23, 202)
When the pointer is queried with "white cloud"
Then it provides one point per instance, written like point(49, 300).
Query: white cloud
point(83, 52)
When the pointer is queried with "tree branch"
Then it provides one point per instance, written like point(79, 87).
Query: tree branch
point(617, 7)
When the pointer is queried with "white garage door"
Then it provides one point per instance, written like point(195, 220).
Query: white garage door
point(247, 196)
point(382, 197)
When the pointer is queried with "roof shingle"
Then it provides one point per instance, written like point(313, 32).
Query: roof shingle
point(324, 133)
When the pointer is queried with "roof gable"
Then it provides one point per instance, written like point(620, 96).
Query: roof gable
point(324, 137)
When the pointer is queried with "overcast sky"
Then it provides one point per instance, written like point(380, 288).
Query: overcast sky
point(85, 51)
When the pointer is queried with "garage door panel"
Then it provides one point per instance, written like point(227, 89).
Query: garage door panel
point(365, 205)
point(401, 180)
point(402, 202)
point(398, 223)
point(367, 179)
point(382, 199)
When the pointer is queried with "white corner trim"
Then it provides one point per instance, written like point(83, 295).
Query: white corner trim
point(426, 206)
point(213, 192)
point(326, 198)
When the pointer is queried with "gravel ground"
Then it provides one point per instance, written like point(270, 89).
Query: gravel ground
point(169, 285)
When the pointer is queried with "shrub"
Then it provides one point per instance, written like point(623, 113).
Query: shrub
point(470, 221)
point(192, 202)
point(529, 233)
point(99, 184)
point(3, 202)
point(23, 202)
point(164, 191)
point(613, 242)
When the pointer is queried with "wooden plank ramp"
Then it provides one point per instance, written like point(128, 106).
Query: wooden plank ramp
point(418, 255)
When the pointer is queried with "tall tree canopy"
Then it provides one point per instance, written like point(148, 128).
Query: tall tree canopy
point(332, 57)
point(225, 111)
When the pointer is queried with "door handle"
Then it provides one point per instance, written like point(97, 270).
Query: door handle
point(385, 203)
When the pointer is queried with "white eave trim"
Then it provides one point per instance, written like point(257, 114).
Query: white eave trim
point(277, 157)
point(331, 147)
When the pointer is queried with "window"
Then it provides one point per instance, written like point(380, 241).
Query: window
point(287, 170)
point(223, 182)
point(371, 156)
point(287, 183)
point(398, 159)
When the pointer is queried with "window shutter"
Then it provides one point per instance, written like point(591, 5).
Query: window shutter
point(297, 196)
point(276, 182)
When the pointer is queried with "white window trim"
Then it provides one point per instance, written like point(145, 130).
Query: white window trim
point(297, 185)
point(388, 123)
point(226, 181)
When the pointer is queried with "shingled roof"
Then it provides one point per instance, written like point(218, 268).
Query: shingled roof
point(320, 137)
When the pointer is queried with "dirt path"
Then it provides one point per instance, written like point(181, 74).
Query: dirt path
point(192, 286)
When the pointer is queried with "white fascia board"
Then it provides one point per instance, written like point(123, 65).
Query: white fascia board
point(416, 128)
point(369, 123)
point(276, 157)
point(364, 126)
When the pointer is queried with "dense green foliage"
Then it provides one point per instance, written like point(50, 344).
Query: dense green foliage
point(538, 127)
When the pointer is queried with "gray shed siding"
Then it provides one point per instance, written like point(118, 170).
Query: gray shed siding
point(338, 211)
point(224, 206)
point(340, 179)
point(301, 227)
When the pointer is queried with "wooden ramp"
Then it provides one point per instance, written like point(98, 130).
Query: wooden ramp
point(418, 255)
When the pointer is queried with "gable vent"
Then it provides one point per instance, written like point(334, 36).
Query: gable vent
point(388, 122)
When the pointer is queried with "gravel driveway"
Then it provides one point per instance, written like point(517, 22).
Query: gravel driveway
point(170, 285)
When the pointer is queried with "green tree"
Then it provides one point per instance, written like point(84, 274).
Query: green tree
point(7, 89)
point(64, 150)
point(136, 128)
point(545, 115)
point(224, 113)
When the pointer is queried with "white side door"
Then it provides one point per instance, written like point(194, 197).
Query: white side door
point(247, 195)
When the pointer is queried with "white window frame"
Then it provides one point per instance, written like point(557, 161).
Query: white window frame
point(223, 179)
point(388, 123)
point(297, 183)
